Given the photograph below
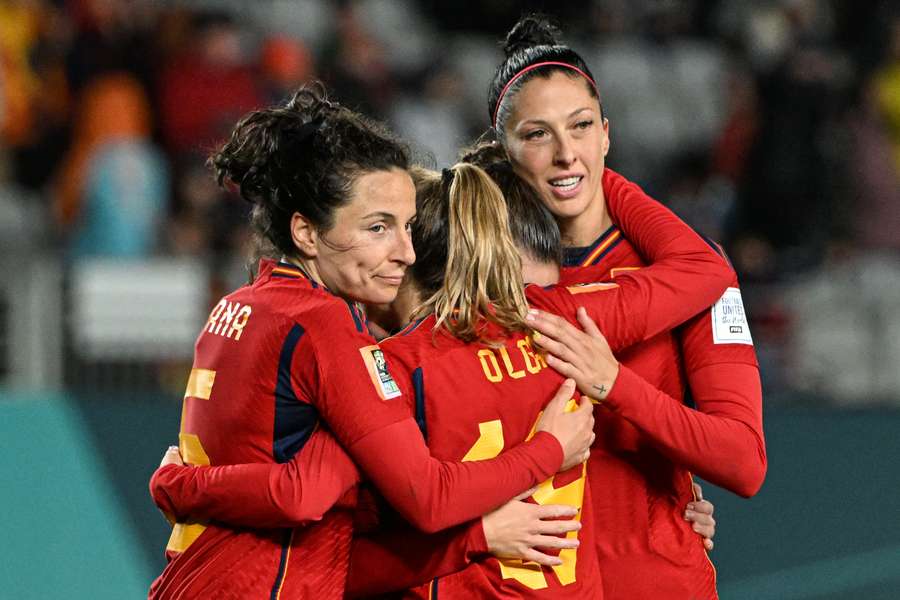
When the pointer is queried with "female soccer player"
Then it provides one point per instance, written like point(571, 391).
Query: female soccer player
point(545, 108)
point(473, 336)
point(289, 353)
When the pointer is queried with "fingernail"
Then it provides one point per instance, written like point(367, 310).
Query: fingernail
point(536, 336)
point(691, 506)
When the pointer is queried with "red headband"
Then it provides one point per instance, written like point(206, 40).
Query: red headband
point(533, 67)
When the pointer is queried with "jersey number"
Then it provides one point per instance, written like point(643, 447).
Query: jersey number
point(200, 385)
point(530, 574)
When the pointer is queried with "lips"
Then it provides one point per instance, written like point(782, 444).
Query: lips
point(391, 279)
point(566, 187)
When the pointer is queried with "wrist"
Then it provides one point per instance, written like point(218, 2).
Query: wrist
point(600, 390)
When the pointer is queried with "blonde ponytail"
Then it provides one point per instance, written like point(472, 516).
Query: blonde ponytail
point(483, 276)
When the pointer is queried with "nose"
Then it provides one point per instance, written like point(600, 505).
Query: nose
point(404, 251)
point(564, 155)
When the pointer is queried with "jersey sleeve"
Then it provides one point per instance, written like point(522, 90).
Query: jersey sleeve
point(721, 441)
point(259, 495)
point(686, 274)
point(403, 557)
point(360, 399)
point(723, 378)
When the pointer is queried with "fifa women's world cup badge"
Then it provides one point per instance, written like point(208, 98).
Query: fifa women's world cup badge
point(376, 364)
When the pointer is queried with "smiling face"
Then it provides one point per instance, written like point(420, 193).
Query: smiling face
point(558, 141)
point(365, 255)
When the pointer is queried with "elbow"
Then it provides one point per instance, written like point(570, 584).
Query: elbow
point(752, 481)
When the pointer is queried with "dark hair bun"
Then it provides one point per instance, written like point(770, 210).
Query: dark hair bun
point(533, 30)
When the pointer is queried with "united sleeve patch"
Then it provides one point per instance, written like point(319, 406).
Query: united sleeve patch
point(376, 364)
point(729, 321)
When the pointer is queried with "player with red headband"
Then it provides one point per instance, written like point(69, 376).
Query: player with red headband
point(545, 108)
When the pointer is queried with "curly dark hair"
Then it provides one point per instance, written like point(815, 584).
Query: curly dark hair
point(532, 40)
point(532, 226)
point(302, 157)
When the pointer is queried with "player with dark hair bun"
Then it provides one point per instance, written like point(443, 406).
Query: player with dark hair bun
point(284, 357)
point(545, 107)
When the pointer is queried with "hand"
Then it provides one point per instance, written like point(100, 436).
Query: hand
point(515, 529)
point(584, 356)
point(700, 514)
point(171, 457)
point(573, 429)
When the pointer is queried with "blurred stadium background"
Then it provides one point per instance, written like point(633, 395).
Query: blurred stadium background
point(773, 126)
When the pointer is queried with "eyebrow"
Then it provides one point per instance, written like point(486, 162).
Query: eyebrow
point(569, 116)
point(380, 215)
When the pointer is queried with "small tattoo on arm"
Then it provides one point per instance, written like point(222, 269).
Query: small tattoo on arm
point(600, 388)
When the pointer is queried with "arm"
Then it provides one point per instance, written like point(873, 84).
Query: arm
point(429, 493)
point(686, 275)
point(717, 441)
point(259, 495)
point(722, 441)
point(402, 558)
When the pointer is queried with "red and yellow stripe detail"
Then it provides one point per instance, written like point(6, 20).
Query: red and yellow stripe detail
point(596, 252)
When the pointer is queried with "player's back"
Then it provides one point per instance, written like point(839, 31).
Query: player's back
point(472, 401)
point(244, 404)
point(646, 549)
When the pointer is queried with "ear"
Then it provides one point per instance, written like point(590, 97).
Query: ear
point(605, 137)
point(305, 235)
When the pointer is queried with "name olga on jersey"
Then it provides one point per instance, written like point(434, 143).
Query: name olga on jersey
point(228, 319)
point(513, 367)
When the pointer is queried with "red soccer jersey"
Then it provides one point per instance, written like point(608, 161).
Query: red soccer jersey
point(648, 441)
point(273, 358)
point(641, 304)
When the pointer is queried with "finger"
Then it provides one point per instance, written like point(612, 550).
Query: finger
point(562, 397)
point(562, 367)
point(587, 323)
point(698, 491)
point(548, 324)
point(708, 544)
point(554, 511)
point(703, 506)
point(541, 558)
point(551, 528)
point(526, 494)
point(564, 349)
point(171, 457)
point(704, 530)
point(702, 519)
point(551, 542)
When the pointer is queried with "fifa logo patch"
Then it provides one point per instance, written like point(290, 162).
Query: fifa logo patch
point(376, 364)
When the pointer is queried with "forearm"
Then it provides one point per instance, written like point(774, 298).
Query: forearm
point(403, 558)
point(686, 274)
point(260, 494)
point(433, 494)
point(721, 442)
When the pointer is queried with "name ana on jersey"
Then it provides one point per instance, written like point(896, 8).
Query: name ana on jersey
point(228, 319)
point(492, 358)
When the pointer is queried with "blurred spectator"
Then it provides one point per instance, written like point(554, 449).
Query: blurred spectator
point(207, 87)
point(355, 67)
point(111, 192)
point(432, 117)
point(285, 64)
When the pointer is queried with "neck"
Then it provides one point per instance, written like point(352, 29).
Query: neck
point(394, 316)
point(583, 229)
point(308, 265)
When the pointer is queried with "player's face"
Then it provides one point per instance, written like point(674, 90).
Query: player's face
point(558, 143)
point(365, 255)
